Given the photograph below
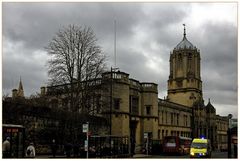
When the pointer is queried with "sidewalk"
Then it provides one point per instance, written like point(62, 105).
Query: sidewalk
point(141, 156)
point(63, 156)
point(49, 156)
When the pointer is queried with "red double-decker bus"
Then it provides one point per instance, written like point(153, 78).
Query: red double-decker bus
point(176, 145)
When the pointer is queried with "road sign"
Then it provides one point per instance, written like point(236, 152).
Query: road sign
point(145, 135)
point(85, 127)
point(86, 145)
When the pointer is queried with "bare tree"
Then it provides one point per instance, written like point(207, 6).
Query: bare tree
point(76, 61)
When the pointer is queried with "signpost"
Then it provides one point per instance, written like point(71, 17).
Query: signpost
point(146, 137)
point(85, 130)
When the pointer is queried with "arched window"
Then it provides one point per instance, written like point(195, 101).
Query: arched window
point(179, 60)
point(189, 62)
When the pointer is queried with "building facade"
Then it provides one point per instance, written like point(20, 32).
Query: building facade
point(134, 109)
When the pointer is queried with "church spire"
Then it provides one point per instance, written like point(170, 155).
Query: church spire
point(184, 31)
point(20, 89)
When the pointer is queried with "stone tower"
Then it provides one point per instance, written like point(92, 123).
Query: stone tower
point(184, 84)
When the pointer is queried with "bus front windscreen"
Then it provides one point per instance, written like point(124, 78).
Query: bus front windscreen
point(199, 145)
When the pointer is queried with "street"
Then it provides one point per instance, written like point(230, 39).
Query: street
point(215, 154)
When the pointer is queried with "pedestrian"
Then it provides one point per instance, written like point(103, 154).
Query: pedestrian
point(30, 152)
point(235, 150)
point(68, 149)
point(6, 148)
point(76, 148)
point(54, 148)
point(133, 142)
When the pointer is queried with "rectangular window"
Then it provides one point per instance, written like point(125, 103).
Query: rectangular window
point(162, 117)
point(166, 120)
point(171, 118)
point(177, 119)
point(186, 120)
point(148, 110)
point(116, 103)
point(134, 105)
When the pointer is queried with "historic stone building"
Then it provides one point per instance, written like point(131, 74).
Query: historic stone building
point(184, 110)
point(134, 109)
point(174, 119)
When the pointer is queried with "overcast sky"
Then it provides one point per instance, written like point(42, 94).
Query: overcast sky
point(146, 34)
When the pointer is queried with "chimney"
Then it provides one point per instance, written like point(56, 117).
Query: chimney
point(43, 91)
point(14, 93)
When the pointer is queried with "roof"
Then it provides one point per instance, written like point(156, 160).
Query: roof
point(199, 140)
point(210, 107)
point(184, 44)
point(20, 87)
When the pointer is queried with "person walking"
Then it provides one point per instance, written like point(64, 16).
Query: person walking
point(68, 149)
point(133, 142)
point(30, 152)
point(6, 148)
point(54, 148)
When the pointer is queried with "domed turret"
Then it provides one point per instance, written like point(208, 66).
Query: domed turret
point(184, 44)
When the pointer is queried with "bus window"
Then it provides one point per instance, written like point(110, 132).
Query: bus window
point(170, 142)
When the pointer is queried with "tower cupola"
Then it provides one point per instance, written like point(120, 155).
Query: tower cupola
point(184, 44)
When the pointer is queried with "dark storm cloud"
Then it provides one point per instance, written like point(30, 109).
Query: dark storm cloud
point(21, 62)
point(36, 23)
point(219, 62)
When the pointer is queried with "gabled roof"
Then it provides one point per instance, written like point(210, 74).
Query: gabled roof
point(210, 108)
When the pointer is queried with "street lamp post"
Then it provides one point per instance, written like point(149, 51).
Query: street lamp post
point(111, 97)
point(111, 104)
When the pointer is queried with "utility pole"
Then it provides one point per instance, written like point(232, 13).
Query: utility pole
point(111, 102)
point(87, 138)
